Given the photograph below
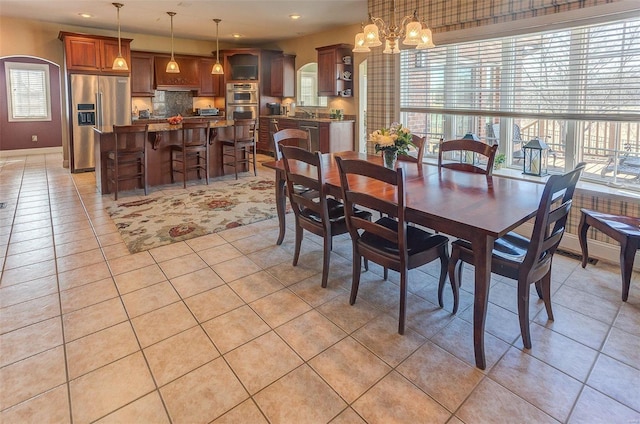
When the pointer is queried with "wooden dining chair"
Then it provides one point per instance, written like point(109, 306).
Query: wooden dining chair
point(389, 241)
point(290, 137)
point(467, 145)
point(239, 147)
point(416, 155)
point(320, 215)
point(128, 158)
point(192, 154)
point(527, 260)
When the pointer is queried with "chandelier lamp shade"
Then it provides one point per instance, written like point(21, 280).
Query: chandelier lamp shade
point(410, 31)
point(217, 68)
point(119, 63)
point(172, 66)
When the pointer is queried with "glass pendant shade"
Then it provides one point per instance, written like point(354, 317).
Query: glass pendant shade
point(426, 40)
point(217, 68)
point(372, 39)
point(359, 44)
point(119, 63)
point(391, 47)
point(172, 66)
point(412, 37)
point(411, 31)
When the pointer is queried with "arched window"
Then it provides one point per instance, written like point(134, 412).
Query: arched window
point(308, 86)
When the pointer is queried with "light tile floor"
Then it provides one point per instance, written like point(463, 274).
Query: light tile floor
point(224, 329)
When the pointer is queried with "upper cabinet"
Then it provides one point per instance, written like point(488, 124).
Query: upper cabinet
point(335, 70)
point(210, 85)
point(283, 76)
point(141, 74)
point(93, 54)
point(187, 79)
point(241, 65)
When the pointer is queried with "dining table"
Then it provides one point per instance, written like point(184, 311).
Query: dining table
point(475, 207)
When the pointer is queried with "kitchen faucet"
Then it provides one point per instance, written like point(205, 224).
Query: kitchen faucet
point(308, 114)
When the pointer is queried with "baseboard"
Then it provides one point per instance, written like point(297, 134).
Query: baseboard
point(28, 152)
point(597, 249)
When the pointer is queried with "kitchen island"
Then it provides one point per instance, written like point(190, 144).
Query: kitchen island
point(161, 137)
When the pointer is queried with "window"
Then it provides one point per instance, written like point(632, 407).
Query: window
point(308, 86)
point(28, 92)
point(578, 89)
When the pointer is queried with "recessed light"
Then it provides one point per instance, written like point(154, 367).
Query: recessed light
point(86, 15)
point(294, 16)
point(236, 35)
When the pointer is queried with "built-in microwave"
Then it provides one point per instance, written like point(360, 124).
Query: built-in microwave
point(242, 93)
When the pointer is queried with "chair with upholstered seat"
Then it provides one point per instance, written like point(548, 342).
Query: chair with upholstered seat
point(527, 260)
point(467, 145)
point(416, 155)
point(239, 147)
point(389, 241)
point(321, 215)
point(128, 158)
point(624, 229)
point(192, 154)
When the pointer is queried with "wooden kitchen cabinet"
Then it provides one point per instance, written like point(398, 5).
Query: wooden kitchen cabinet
point(335, 71)
point(210, 85)
point(187, 79)
point(93, 54)
point(264, 143)
point(141, 74)
point(283, 76)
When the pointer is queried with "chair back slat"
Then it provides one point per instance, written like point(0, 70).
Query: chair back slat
point(553, 212)
point(418, 155)
point(355, 198)
point(468, 145)
point(290, 137)
point(195, 133)
point(304, 169)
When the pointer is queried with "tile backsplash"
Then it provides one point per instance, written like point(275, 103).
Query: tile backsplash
point(170, 103)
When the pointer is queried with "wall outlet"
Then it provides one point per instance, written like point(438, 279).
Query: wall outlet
point(34, 138)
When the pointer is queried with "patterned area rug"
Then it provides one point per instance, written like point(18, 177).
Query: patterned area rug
point(158, 221)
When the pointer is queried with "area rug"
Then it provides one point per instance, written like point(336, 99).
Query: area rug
point(158, 221)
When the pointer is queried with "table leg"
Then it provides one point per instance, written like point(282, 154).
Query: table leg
point(281, 205)
point(582, 235)
point(628, 248)
point(482, 249)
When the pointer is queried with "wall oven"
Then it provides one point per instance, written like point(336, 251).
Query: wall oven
point(242, 93)
point(242, 112)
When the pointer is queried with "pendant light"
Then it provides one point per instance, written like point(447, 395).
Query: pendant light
point(119, 64)
point(217, 68)
point(172, 66)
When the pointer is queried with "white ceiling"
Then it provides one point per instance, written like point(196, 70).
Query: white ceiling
point(257, 21)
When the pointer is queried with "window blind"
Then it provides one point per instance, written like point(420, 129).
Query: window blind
point(29, 97)
point(588, 73)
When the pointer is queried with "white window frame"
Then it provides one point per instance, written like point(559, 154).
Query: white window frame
point(309, 71)
point(43, 71)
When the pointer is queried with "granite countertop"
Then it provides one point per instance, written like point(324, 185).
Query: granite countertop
point(164, 126)
point(299, 118)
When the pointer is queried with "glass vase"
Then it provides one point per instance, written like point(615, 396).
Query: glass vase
point(390, 157)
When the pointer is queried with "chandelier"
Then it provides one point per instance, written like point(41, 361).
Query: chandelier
point(414, 34)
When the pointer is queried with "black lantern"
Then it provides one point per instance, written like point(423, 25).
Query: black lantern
point(469, 157)
point(535, 158)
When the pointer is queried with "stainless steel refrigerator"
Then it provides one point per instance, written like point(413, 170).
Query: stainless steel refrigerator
point(96, 101)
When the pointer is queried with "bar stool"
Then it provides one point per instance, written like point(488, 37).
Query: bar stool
point(241, 148)
point(193, 153)
point(128, 159)
point(624, 229)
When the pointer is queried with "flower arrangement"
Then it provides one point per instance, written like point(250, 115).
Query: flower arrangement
point(396, 138)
